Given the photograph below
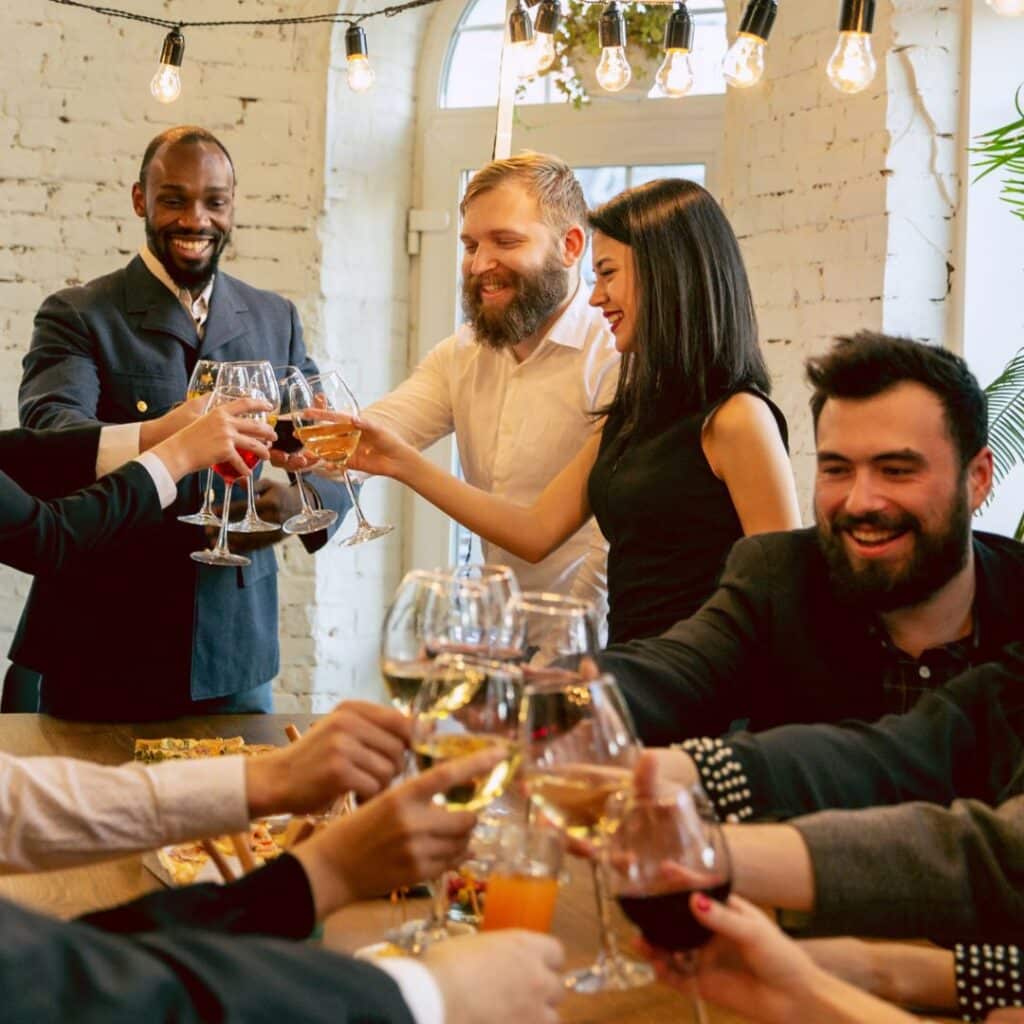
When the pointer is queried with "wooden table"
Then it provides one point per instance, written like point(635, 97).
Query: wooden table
point(70, 892)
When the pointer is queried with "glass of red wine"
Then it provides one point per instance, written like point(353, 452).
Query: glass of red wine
point(241, 383)
point(664, 847)
point(296, 396)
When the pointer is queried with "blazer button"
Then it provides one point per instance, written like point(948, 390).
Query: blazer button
point(141, 405)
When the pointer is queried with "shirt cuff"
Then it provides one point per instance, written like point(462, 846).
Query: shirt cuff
point(419, 989)
point(166, 488)
point(119, 443)
point(988, 977)
point(202, 797)
point(722, 776)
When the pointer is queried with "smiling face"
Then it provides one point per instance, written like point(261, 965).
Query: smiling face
point(188, 207)
point(515, 272)
point(892, 501)
point(615, 288)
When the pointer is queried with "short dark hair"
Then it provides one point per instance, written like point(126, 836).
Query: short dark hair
point(182, 134)
point(867, 363)
point(696, 330)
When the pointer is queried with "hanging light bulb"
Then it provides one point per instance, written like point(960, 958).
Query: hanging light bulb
point(1010, 8)
point(360, 74)
point(549, 17)
point(166, 83)
point(852, 66)
point(744, 63)
point(613, 70)
point(522, 45)
point(675, 76)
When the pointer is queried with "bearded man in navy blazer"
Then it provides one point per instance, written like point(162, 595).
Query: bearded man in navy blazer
point(140, 631)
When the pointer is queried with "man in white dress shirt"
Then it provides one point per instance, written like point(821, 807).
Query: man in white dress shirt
point(519, 381)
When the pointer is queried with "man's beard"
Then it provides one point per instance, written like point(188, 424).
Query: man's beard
point(935, 560)
point(537, 296)
point(187, 277)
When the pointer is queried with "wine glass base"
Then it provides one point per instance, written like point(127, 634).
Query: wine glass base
point(214, 557)
point(253, 526)
point(200, 519)
point(365, 533)
point(610, 975)
point(310, 522)
point(420, 934)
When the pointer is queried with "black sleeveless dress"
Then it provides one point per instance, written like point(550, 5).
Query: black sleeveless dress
point(669, 520)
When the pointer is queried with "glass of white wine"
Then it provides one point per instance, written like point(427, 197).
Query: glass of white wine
point(334, 442)
point(466, 705)
point(202, 382)
point(578, 750)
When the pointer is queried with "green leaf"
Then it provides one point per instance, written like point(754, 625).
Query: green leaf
point(1006, 417)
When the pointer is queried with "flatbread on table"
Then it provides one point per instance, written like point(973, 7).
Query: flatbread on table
point(171, 748)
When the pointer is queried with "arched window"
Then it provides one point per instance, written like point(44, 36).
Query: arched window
point(470, 77)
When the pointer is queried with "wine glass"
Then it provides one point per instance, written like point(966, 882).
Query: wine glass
point(664, 848)
point(262, 383)
point(466, 704)
point(408, 631)
point(551, 627)
point(240, 382)
point(296, 393)
point(335, 443)
point(501, 586)
point(202, 382)
point(578, 750)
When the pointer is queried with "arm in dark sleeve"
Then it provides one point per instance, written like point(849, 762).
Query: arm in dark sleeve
point(50, 463)
point(691, 680)
point(962, 740)
point(60, 384)
point(52, 972)
point(328, 493)
point(276, 901)
point(43, 537)
point(918, 870)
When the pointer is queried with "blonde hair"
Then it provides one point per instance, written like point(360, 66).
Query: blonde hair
point(547, 178)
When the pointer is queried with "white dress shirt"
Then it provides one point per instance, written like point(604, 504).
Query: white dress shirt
point(119, 442)
point(517, 425)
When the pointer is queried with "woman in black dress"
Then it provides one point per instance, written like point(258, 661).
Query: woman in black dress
point(692, 452)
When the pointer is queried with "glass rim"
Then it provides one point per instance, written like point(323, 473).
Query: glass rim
point(547, 603)
point(569, 677)
point(474, 661)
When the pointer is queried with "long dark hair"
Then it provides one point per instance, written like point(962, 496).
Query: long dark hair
point(696, 331)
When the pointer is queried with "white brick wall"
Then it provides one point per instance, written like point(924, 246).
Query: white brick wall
point(323, 188)
point(843, 204)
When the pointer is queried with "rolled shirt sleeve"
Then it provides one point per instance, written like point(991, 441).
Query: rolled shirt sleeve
point(119, 443)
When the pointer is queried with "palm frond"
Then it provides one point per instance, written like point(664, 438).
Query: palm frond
point(1006, 417)
point(1002, 149)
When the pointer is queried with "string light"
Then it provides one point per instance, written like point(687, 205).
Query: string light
point(743, 65)
point(522, 45)
point(675, 76)
point(166, 83)
point(360, 74)
point(852, 66)
point(613, 70)
point(549, 17)
point(1008, 8)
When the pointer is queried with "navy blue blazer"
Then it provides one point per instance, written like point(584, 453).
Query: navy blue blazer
point(140, 631)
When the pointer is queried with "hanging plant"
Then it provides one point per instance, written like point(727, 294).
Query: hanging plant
point(1003, 149)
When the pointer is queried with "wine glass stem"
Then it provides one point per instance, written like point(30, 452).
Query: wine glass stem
point(609, 944)
point(222, 538)
point(207, 507)
point(306, 510)
point(250, 492)
point(685, 964)
point(355, 500)
point(438, 903)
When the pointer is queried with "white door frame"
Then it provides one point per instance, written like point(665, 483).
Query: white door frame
point(448, 142)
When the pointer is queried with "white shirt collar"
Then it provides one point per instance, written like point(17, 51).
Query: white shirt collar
point(570, 329)
point(197, 308)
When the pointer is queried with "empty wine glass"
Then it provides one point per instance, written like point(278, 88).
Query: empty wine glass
point(663, 849)
point(261, 382)
point(466, 705)
point(578, 751)
point(335, 443)
point(501, 586)
point(297, 394)
point(551, 627)
point(202, 382)
point(241, 382)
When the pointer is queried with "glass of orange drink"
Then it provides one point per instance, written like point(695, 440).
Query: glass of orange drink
point(522, 886)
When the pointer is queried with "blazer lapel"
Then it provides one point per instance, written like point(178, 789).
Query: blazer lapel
point(158, 308)
point(228, 318)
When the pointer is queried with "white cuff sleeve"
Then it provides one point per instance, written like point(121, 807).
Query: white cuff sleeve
point(119, 443)
point(205, 797)
point(162, 480)
point(418, 987)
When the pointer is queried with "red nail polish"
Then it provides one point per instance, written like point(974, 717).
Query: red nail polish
point(702, 903)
